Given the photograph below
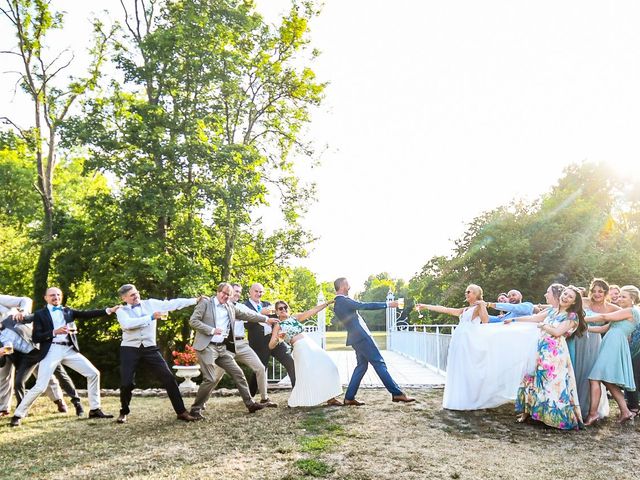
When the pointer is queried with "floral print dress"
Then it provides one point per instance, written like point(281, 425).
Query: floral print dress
point(549, 394)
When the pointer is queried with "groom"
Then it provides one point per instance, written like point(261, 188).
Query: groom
point(359, 337)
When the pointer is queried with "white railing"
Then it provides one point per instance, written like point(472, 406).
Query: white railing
point(315, 328)
point(426, 344)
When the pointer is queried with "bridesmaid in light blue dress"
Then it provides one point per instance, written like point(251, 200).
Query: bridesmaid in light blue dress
point(613, 366)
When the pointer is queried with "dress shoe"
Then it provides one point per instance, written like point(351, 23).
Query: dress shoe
point(97, 413)
point(254, 407)
point(268, 403)
point(15, 421)
point(353, 402)
point(78, 406)
point(334, 402)
point(186, 417)
point(122, 418)
point(4, 413)
point(62, 407)
point(197, 414)
point(402, 398)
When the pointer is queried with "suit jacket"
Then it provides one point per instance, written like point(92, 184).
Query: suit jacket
point(256, 331)
point(43, 326)
point(346, 310)
point(203, 321)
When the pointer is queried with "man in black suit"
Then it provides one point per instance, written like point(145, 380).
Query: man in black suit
point(26, 356)
point(53, 329)
point(259, 336)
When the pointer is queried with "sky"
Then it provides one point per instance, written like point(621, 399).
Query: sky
point(438, 111)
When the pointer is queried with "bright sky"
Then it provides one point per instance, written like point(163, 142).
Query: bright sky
point(438, 111)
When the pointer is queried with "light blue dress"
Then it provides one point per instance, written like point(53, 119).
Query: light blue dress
point(613, 364)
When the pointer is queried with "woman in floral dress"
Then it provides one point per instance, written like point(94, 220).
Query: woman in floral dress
point(549, 394)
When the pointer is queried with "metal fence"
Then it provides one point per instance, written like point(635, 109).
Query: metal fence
point(426, 344)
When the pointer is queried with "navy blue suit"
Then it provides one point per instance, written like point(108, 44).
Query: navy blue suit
point(367, 352)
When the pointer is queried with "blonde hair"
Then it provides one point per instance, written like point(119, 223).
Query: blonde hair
point(633, 291)
point(477, 289)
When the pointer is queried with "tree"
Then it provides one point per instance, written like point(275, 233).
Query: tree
point(376, 288)
point(31, 21)
point(585, 227)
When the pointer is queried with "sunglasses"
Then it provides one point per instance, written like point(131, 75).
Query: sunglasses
point(283, 307)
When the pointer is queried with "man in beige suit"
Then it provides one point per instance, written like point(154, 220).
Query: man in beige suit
point(213, 321)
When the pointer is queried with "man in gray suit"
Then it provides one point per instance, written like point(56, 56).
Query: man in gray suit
point(213, 321)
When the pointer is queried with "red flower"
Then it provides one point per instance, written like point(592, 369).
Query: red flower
point(186, 358)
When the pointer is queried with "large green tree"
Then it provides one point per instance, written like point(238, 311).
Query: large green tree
point(39, 70)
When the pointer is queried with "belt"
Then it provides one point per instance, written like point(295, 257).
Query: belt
point(66, 344)
point(218, 344)
point(239, 338)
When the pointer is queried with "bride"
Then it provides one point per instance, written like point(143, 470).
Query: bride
point(486, 361)
point(317, 377)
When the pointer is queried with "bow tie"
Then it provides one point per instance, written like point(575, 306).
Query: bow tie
point(136, 306)
point(56, 308)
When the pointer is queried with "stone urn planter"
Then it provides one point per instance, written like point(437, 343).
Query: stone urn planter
point(187, 372)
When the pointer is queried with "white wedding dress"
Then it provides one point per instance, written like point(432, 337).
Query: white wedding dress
point(486, 362)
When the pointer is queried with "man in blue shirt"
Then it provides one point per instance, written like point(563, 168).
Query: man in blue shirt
point(515, 308)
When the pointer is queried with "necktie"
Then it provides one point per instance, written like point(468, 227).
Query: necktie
point(259, 307)
point(56, 308)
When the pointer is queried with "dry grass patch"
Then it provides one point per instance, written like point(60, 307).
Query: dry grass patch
point(381, 440)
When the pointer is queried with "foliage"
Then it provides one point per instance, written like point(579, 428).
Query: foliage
point(376, 288)
point(163, 178)
point(31, 21)
point(586, 226)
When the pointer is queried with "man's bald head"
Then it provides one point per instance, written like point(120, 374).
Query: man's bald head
point(255, 292)
point(514, 296)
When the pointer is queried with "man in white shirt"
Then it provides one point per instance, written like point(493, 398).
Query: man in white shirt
point(138, 319)
point(244, 353)
point(53, 329)
point(25, 358)
point(7, 304)
point(214, 322)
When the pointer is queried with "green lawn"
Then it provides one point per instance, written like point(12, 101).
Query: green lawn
point(336, 340)
point(379, 441)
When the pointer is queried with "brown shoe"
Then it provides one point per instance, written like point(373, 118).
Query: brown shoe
point(197, 414)
point(334, 402)
point(4, 413)
point(268, 403)
point(254, 407)
point(353, 402)
point(62, 407)
point(402, 398)
point(122, 418)
point(186, 417)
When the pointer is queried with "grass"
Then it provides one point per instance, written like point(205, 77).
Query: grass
point(381, 440)
point(313, 468)
point(336, 340)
